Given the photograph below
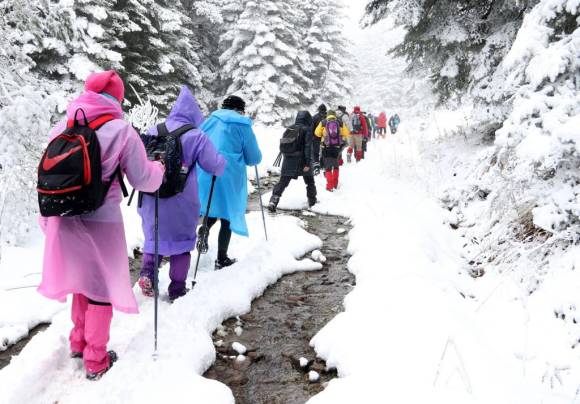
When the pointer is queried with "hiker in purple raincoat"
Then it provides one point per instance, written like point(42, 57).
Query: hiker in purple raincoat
point(179, 214)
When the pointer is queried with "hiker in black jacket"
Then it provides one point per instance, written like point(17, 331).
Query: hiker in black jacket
point(298, 164)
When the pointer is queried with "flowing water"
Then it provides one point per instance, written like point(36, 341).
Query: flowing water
point(281, 323)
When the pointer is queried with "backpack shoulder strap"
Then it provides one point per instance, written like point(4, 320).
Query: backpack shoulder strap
point(119, 175)
point(162, 129)
point(181, 131)
point(100, 121)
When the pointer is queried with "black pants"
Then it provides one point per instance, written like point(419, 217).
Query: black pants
point(285, 181)
point(224, 236)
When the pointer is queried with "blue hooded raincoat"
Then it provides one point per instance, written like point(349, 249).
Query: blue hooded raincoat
point(232, 135)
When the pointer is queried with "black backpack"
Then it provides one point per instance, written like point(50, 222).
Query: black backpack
point(292, 142)
point(167, 145)
point(70, 179)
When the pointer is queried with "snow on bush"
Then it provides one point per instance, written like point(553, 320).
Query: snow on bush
point(25, 120)
point(522, 200)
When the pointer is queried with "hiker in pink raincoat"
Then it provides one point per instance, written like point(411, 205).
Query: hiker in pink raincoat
point(86, 255)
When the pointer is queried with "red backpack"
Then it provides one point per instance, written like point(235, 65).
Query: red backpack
point(70, 172)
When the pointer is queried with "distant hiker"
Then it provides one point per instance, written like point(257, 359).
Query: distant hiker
point(232, 135)
point(382, 124)
point(394, 122)
point(333, 135)
point(358, 133)
point(296, 147)
point(367, 138)
point(316, 119)
point(179, 202)
point(373, 125)
point(344, 117)
point(86, 255)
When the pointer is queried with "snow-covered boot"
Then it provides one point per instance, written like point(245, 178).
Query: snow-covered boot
point(94, 376)
point(146, 286)
point(273, 203)
point(219, 264)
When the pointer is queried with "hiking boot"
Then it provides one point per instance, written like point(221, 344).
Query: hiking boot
point(273, 203)
point(76, 355)
point(219, 264)
point(173, 296)
point(146, 286)
point(94, 376)
point(312, 202)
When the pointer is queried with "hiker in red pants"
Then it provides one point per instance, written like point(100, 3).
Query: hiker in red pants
point(333, 134)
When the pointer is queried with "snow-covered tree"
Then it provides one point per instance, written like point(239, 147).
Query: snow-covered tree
point(328, 52)
point(459, 43)
point(264, 60)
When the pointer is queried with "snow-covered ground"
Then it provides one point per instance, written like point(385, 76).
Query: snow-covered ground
point(44, 373)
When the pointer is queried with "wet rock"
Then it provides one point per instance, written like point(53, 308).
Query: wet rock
point(237, 379)
point(318, 367)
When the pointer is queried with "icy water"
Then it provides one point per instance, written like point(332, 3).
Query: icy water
point(278, 329)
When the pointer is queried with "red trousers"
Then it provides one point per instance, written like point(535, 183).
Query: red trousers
point(331, 178)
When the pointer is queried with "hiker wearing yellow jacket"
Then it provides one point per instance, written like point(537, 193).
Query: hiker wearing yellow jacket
point(334, 135)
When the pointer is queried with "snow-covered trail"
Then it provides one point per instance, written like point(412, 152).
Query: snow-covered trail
point(43, 372)
point(410, 333)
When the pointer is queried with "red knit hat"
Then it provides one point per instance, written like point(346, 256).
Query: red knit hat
point(357, 109)
point(106, 82)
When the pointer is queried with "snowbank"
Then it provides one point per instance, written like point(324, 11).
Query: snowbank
point(44, 373)
point(409, 332)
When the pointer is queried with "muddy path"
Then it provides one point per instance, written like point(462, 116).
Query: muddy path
point(281, 323)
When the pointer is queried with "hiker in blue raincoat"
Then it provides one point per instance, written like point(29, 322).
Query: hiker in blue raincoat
point(232, 135)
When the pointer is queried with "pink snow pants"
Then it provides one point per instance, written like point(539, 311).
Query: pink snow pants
point(90, 333)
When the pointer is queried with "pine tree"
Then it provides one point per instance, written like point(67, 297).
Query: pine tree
point(263, 60)
point(328, 52)
point(458, 43)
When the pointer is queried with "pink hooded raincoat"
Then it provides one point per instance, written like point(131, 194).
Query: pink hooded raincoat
point(88, 254)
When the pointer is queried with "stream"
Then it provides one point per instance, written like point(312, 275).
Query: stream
point(281, 323)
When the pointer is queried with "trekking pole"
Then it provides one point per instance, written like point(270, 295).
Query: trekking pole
point(202, 241)
point(131, 197)
point(261, 203)
point(156, 271)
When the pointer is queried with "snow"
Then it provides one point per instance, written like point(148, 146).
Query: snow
point(318, 256)
point(239, 348)
point(313, 376)
point(303, 362)
point(23, 308)
point(185, 347)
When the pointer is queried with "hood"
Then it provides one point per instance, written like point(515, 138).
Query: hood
point(230, 116)
point(186, 109)
point(357, 109)
point(93, 105)
point(322, 108)
point(304, 118)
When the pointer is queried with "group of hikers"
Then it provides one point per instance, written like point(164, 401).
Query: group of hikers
point(319, 140)
point(185, 168)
